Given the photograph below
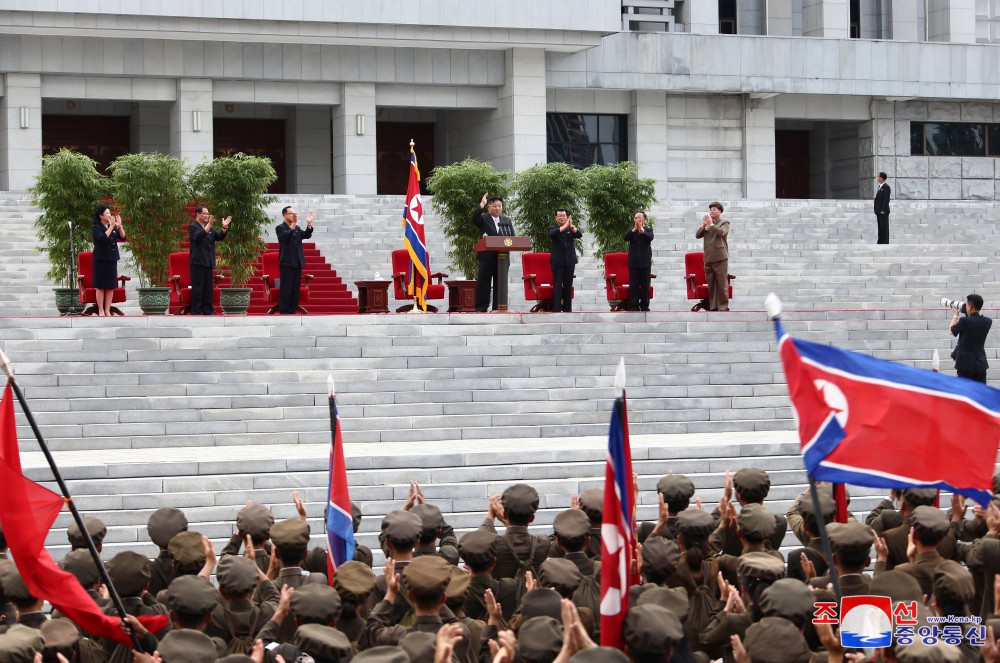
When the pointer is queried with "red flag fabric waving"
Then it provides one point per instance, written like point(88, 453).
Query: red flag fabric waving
point(27, 511)
point(617, 540)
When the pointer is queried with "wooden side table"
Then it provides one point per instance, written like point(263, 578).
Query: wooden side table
point(373, 296)
point(461, 296)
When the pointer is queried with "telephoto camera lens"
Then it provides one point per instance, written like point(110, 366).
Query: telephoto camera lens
point(953, 303)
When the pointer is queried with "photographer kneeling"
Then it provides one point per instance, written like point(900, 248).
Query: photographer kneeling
point(971, 330)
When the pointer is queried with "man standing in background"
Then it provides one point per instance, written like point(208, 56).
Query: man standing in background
point(640, 262)
point(201, 258)
point(563, 260)
point(489, 219)
point(291, 258)
point(715, 232)
point(882, 195)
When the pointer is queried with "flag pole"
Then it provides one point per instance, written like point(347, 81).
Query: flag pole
point(821, 524)
point(105, 578)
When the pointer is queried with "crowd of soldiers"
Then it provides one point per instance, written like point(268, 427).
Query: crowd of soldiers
point(712, 585)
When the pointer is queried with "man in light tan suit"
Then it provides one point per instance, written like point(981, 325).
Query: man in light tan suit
point(715, 231)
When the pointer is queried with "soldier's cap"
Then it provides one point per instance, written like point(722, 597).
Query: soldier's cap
point(675, 488)
point(236, 574)
point(695, 523)
point(458, 584)
point(187, 646)
point(760, 565)
point(520, 500)
point(95, 528)
point(540, 639)
point(851, 539)
point(919, 496)
point(919, 652)
point(129, 571)
point(291, 533)
point(315, 602)
point(592, 504)
point(449, 554)
point(541, 603)
point(315, 560)
point(775, 640)
point(652, 629)
point(59, 633)
point(789, 599)
point(897, 585)
point(255, 520)
point(599, 655)
point(826, 503)
point(402, 525)
point(382, 654)
point(323, 643)
point(673, 599)
point(430, 516)
point(931, 519)
point(427, 576)
point(752, 484)
point(478, 547)
point(186, 548)
point(953, 581)
point(80, 563)
point(164, 524)
point(571, 524)
point(756, 522)
point(355, 516)
point(234, 658)
point(19, 644)
point(660, 556)
point(191, 595)
point(561, 575)
point(419, 646)
point(13, 584)
point(354, 581)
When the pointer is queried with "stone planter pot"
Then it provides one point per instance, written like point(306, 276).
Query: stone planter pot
point(66, 297)
point(154, 301)
point(234, 301)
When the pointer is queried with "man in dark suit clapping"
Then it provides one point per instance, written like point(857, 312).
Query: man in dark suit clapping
point(882, 195)
point(201, 258)
point(640, 261)
point(563, 260)
point(291, 258)
point(489, 218)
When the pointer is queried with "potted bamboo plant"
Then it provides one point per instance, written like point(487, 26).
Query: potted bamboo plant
point(67, 190)
point(151, 193)
point(237, 186)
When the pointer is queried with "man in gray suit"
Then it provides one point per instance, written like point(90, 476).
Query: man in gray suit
point(715, 232)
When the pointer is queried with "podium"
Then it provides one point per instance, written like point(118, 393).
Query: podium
point(504, 246)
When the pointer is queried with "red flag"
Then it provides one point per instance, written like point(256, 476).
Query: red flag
point(27, 511)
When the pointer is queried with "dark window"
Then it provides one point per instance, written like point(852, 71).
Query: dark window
point(727, 17)
point(855, 19)
point(582, 139)
point(949, 139)
point(993, 140)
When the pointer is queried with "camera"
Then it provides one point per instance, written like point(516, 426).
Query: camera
point(954, 303)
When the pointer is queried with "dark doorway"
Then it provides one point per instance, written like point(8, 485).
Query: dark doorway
point(392, 142)
point(100, 137)
point(257, 138)
point(791, 158)
point(727, 17)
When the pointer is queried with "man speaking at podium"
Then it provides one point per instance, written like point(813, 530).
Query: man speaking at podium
point(489, 218)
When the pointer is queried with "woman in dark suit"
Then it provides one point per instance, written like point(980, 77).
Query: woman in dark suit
point(106, 233)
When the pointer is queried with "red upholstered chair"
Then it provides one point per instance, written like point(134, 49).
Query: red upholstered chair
point(401, 278)
point(697, 284)
point(85, 285)
point(272, 277)
point(180, 285)
point(537, 276)
point(616, 280)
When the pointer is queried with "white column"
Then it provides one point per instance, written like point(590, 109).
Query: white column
point(309, 166)
point(20, 131)
point(826, 18)
point(759, 179)
point(521, 110)
point(779, 18)
point(354, 155)
point(149, 128)
point(952, 21)
point(905, 20)
point(191, 135)
point(647, 136)
point(701, 17)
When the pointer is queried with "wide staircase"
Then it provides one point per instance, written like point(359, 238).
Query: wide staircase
point(328, 294)
point(207, 413)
